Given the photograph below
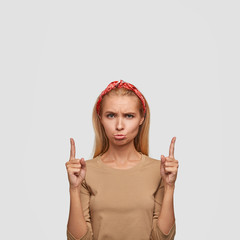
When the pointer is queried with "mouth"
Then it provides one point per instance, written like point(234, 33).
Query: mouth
point(119, 136)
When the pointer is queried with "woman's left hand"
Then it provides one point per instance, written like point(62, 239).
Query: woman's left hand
point(169, 166)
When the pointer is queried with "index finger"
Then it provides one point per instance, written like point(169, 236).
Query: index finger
point(72, 150)
point(171, 148)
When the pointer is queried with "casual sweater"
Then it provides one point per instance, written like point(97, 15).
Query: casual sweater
point(123, 204)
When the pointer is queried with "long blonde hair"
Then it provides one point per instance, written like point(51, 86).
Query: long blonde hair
point(101, 143)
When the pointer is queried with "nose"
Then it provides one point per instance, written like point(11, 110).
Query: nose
point(119, 123)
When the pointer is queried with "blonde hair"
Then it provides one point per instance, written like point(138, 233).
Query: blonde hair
point(101, 143)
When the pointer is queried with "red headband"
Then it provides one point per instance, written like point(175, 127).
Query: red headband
point(120, 84)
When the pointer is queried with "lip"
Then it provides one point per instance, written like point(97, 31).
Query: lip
point(119, 136)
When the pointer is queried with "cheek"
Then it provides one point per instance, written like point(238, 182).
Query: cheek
point(133, 127)
point(109, 128)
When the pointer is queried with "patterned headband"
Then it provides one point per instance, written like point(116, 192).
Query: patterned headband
point(121, 84)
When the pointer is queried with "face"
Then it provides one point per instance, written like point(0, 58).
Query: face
point(120, 115)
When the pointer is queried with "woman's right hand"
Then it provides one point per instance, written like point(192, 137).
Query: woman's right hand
point(76, 168)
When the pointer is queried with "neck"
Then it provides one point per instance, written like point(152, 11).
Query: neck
point(121, 154)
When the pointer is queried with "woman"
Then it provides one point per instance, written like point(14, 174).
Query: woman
point(121, 193)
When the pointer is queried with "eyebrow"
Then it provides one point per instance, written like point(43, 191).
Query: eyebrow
point(124, 113)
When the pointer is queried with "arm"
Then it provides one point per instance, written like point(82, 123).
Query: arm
point(76, 227)
point(166, 219)
point(79, 225)
point(164, 227)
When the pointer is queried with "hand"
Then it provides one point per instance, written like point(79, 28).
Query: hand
point(169, 166)
point(76, 168)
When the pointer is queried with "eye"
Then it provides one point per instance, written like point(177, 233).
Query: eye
point(110, 114)
point(130, 115)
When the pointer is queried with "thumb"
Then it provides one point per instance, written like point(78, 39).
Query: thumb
point(162, 167)
point(83, 162)
point(163, 159)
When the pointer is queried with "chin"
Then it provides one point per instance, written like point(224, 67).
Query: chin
point(121, 142)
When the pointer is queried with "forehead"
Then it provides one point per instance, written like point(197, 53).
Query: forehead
point(126, 103)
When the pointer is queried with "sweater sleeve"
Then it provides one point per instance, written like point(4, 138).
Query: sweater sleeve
point(156, 233)
point(85, 200)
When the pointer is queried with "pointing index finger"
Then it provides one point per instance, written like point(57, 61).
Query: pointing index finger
point(72, 150)
point(171, 148)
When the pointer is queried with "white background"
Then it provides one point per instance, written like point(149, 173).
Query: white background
point(57, 56)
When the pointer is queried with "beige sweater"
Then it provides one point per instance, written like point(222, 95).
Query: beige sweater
point(123, 204)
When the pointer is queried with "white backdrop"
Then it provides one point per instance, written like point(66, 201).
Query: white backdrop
point(57, 56)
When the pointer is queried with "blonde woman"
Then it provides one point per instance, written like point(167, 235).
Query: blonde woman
point(121, 193)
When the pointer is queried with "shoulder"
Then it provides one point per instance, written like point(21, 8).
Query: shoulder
point(151, 169)
point(151, 164)
point(151, 160)
point(91, 161)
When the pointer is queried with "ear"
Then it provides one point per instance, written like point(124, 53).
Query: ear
point(142, 119)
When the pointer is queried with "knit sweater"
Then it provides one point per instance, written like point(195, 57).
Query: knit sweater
point(123, 204)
